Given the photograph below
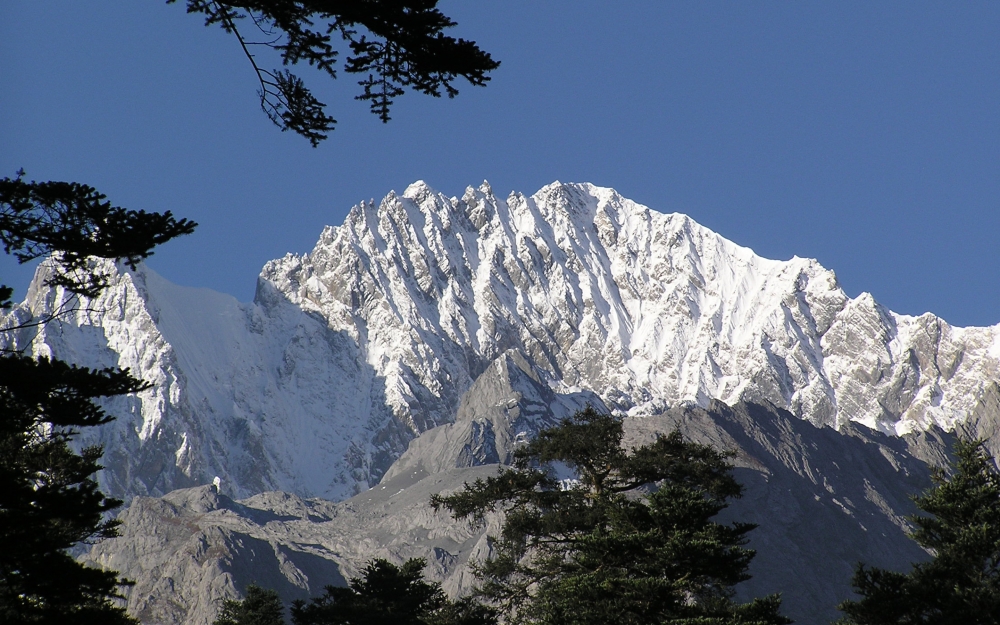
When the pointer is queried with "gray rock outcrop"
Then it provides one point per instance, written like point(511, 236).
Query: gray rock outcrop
point(508, 404)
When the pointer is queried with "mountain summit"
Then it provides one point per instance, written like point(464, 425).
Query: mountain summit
point(350, 351)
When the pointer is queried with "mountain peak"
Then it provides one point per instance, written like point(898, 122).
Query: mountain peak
point(418, 190)
point(373, 337)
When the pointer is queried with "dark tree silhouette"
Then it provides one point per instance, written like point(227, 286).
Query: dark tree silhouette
point(961, 584)
point(390, 595)
point(259, 607)
point(393, 44)
point(74, 222)
point(49, 501)
point(629, 540)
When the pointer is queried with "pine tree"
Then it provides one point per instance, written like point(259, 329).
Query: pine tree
point(49, 501)
point(961, 584)
point(390, 595)
point(259, 607)
point(629, 540)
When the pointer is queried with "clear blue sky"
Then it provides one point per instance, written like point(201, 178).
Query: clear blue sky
point(863, 134)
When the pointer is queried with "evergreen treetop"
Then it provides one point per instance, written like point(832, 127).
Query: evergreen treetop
point(387, 594)
point(960, 585)
point(259, 607)
point(628, 540)
point(74, 222)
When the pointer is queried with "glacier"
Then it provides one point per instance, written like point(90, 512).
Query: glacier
point(349, 352)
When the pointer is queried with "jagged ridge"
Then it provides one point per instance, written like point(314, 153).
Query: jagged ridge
point(351, 350)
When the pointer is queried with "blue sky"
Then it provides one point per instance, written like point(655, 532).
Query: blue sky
point(863, 134)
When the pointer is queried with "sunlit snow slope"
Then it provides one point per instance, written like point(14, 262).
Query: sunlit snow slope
point(351, 350)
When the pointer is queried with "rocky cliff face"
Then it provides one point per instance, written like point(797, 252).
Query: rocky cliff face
point(351, 351)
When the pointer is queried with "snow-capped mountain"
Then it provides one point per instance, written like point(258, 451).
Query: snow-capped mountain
point(351, 350)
